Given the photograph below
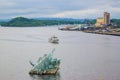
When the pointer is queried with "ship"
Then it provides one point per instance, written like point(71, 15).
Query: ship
point(53, 39)
point(46, 65)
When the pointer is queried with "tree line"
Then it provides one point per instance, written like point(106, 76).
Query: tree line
point(25, 22)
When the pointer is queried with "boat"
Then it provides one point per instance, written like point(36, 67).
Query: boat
point(46, 65)
point(70, 28)
point(53, 39)
point(66, 27)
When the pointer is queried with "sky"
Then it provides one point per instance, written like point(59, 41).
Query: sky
point(77, 9)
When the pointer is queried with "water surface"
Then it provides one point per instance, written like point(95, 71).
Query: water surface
point(84, 56)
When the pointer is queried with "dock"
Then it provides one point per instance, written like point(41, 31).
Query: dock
point(104, 33)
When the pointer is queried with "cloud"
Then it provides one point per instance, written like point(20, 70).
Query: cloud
point(88, 13)
point(59, 8)
point(6, 3)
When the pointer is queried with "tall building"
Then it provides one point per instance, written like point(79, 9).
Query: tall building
point(103, 21)
point(106, 18)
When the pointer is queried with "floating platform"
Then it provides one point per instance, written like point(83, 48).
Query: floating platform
point(46, 65)
point(49, 72)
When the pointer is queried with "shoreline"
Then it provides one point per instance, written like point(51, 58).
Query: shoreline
point(103, 33)
point(114, 33)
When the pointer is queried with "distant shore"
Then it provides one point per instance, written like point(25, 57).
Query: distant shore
point(104, 33)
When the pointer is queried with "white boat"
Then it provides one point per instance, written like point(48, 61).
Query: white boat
point(53, 39)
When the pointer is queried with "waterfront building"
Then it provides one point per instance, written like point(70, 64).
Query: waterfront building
point(99, 22)
point(103, 21)
point(106, 18)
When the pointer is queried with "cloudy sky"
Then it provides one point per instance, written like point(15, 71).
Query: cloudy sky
point(59, 8)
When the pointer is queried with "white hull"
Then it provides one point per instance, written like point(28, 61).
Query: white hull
point(53, 40)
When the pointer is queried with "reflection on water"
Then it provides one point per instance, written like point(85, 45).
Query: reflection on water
point(46, 77)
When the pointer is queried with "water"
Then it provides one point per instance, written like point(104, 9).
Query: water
point(84, 56)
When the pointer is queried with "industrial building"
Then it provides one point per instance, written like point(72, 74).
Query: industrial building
point(105, 21)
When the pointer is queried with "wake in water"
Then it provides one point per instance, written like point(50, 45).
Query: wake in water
point(25, 38)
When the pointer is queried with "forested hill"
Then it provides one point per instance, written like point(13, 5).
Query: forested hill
point(25, 22)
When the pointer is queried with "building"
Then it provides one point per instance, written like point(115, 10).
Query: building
point(106, 18)
point(99, 22)
point(103, 21)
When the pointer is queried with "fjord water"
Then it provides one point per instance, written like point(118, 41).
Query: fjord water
point(84, 56)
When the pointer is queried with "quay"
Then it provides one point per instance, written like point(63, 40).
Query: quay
point(87, 29)
point(104, 33)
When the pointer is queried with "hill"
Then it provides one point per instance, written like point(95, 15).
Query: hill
point(25, 22)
